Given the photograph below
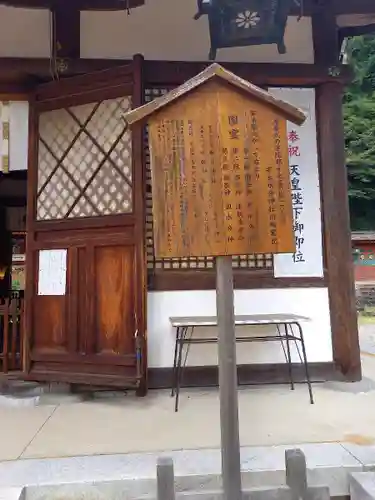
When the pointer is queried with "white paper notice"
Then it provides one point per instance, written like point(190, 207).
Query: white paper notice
point(52, 272)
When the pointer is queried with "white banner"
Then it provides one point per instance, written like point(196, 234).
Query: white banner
point(14, 132)
point(4, 136)
point(18, 135)
point(304, 173)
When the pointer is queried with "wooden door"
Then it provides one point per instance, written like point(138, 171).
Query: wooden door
point(85, 285)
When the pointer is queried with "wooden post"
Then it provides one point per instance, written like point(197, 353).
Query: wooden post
point(230, 439)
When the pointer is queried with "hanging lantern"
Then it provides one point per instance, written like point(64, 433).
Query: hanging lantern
point(3, 270)
point(239, 23)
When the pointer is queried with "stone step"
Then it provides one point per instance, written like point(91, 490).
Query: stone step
point(19, 394)
point(146, 490)
point(20, 388)
point(132, 476)
point(279, 493)
point(19, 401)
point(362, 486)
point(12, 493)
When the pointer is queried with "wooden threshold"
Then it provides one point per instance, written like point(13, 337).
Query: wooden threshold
point(109, 381)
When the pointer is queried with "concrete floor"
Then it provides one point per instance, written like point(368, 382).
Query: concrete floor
point(268, 416)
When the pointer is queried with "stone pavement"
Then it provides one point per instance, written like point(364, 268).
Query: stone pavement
point(108, 447)
point(117, 424)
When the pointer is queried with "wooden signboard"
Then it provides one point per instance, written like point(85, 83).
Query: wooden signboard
point(220, 174)
point(220, 187)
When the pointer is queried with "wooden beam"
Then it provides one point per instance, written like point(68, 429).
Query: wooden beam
point(349, 31)
point(338, 252)
point(164, 72)
point(66, 30)
point(309, 6)
point(325, 35)
point(175, 73)
point(353, 7)
point(339, 7)
point(11, 201)
point(25, 69)
point(14, 91)
point(78, 4)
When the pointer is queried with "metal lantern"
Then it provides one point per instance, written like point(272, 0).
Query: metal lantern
point(239, 23)
point(3, 270)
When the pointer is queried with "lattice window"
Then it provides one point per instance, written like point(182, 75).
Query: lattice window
point(85, 164)
point(251, 262)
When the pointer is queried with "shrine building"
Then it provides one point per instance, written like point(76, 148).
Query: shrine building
point(84, 299)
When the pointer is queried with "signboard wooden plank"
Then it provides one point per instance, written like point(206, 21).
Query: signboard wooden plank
point(220, 176)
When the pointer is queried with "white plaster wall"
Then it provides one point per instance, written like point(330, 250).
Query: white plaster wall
point(18, 133)
point(24, 32)
point(162, 29)
point(310, 302)
point(165, 29)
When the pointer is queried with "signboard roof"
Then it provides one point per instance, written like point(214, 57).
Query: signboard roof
point(215, 71)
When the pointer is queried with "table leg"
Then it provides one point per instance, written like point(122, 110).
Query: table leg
point(305, 362)
point(174, 371)
point(188, 345)
point(282, 342)
point(179, 366)
point(290, 369)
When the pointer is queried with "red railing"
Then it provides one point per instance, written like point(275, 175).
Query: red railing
point(11, 334)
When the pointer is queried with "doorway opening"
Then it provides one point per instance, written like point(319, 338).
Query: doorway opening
point(13, 201)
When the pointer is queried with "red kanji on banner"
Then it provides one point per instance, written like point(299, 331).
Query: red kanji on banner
point(293, 136)
point(294, 151)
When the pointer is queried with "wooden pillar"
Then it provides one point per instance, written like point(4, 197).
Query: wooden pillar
point(335, 204)
point(66, 19)
point(325, 35)
point(140, 208)
point(337, 241)
point(31, 255)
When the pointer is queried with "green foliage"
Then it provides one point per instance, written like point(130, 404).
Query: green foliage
point(359, 123)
